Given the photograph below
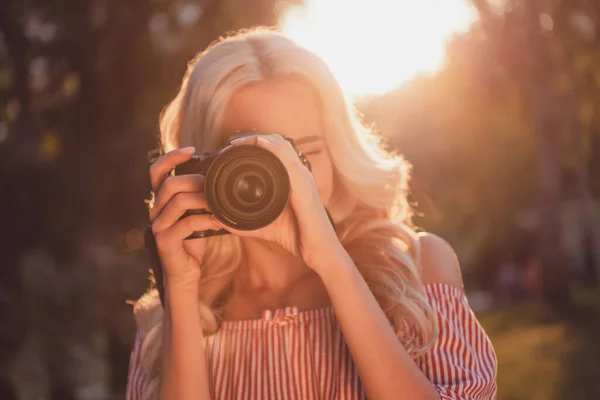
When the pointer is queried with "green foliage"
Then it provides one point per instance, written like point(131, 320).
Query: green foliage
point(544, 355)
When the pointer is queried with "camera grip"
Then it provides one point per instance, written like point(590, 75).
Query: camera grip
point(202, 234)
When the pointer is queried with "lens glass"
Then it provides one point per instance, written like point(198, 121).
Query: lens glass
point(250, 188)
point(247, 188)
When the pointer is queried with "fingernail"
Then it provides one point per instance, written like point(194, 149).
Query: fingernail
point(262, 140)
point(188, 150)
point(236, 141)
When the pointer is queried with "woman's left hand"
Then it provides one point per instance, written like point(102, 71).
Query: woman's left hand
point(303, 228)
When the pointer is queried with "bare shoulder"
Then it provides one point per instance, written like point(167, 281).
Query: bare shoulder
point(439, 263)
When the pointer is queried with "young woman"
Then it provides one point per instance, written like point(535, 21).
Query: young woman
point(299, 309)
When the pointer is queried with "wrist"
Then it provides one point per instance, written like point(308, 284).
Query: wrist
point(181, 303)
point(330, 264)
point(181, 289)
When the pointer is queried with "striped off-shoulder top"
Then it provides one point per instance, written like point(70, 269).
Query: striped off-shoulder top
point(301, 354)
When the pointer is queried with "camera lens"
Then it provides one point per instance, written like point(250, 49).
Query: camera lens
point(250, 188)
point(247, 187)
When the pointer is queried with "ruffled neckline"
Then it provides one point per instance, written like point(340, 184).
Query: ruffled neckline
point(291, 314)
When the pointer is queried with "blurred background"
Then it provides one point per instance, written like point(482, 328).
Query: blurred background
point(495, 102)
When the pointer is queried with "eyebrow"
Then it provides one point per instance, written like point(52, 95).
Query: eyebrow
point(308, 139)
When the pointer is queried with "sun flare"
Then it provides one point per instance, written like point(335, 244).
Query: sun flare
point(373, 46)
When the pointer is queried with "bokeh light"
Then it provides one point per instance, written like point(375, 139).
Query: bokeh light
point(133, 239)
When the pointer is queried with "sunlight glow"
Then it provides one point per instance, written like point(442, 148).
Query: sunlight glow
point(372, 46)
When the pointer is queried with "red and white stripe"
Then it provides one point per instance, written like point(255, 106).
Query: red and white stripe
point(291, 354)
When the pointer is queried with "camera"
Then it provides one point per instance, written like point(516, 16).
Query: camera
point(246, 187)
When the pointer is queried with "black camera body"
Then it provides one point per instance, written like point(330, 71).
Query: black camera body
point(247, 188)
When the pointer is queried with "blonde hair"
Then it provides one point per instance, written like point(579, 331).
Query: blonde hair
point(372, 213)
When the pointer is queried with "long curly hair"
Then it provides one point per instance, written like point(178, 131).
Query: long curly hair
point(372, 212)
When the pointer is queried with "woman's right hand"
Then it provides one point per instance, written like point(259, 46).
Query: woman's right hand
point(174, 195)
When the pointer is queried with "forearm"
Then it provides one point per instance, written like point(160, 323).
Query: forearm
point(184, 371)
point(385, 367)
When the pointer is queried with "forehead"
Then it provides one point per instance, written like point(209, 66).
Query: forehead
point(288, 107)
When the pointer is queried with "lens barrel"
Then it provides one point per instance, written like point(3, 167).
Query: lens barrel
point(247, 187)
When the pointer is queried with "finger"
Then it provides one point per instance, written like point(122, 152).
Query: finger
point(173, 185)
point(276, 138)
point(252, 139)
point(161, 168)
point(177, 207)
point(287, 155)
point(171, 239)
point(277, 141)
point(283, 150)
point(273, 139)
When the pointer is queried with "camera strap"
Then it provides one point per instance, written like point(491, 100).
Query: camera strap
point(155, 263)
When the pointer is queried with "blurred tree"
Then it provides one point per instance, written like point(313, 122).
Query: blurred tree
point(517, 38)
point(82, 83)
point(547, 48)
